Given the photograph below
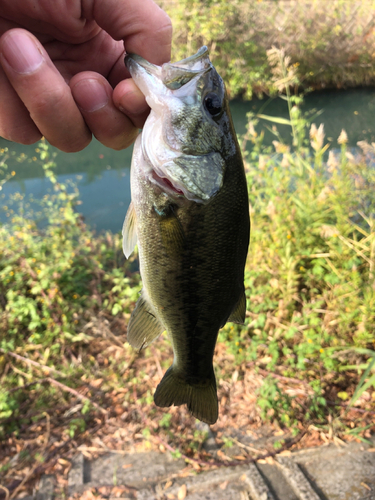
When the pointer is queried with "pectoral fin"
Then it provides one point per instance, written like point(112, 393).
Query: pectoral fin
point(172, 234)
point(239, 312)
point(129, 232)
point(144, 327)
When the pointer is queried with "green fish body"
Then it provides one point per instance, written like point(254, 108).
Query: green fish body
point(190, 217)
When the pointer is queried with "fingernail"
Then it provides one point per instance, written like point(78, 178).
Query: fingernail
point(21, 52)
point(90, 95)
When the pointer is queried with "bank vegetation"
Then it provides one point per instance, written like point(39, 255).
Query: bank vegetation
point(331, 44)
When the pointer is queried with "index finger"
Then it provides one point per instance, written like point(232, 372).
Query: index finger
point(143, 26)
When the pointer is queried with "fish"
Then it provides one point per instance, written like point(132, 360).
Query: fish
point(189, 215)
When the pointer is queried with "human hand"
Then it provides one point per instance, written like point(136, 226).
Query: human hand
point(62, 72)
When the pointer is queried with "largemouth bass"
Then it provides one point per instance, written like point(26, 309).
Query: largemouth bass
point(190, 217)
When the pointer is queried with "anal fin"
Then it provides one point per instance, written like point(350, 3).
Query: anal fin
point(144, 327)
point(129, 231)
point(239, 311)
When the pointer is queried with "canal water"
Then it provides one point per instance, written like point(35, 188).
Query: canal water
point(102, 175)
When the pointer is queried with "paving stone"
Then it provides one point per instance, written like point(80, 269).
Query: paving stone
point(209, 480)
point(297, 480)
point(231, 492)
point(256, 484)
point(134, 469)
point(75, 478)
point(326, 473)
point(346, 473)
point(276, 482)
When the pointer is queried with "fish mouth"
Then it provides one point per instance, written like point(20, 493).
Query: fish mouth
point(170, 90)
point(170, 75)
point(166, 185)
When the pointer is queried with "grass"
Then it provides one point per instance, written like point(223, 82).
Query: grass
point(304, 360)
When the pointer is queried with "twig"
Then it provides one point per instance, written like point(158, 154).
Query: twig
point(76, 394)
point(348, 407)
point(244, 446)
point(115, 339)
point(282, 377)
point(6, 492)
point(26, 386)
point(33, 363)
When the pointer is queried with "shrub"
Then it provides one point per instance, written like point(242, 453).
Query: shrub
point(331, 44)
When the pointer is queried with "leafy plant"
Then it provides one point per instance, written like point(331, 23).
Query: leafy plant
point(56, 276)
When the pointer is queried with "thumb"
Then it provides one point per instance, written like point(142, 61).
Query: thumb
point(143, 26)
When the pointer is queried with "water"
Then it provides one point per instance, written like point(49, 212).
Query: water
point(102, 174)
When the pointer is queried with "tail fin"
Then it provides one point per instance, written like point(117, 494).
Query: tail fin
point(201, 399)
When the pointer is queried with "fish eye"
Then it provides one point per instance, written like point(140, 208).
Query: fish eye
point(212, 103)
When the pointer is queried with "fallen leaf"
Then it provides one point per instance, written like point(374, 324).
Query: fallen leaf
point(62, 461)
point(96, 383)
point(118, 491)
point(285, 453)
point(223, 485)
point(167, 485)
point(182, 492)
point(88, 495)
point(366, 486)
point(104, 490)
point(127, 466)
